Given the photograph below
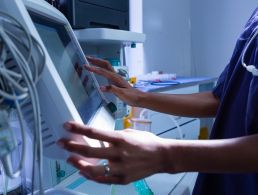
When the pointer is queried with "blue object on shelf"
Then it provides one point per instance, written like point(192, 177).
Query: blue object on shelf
point(163, 83)
point(76, 183)
point(142, 187)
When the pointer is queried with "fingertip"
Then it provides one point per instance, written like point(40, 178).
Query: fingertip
point(67, 126)
point(88, 67)
point(89, 57)
point(114, 89)
point(70, 160)
point(60, 143)
point(103, 88)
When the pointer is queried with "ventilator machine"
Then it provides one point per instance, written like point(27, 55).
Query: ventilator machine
point(42, 85)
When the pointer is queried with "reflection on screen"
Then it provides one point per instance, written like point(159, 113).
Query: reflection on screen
point(76, 79)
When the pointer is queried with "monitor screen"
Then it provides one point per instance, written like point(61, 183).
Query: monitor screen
point(69, 63)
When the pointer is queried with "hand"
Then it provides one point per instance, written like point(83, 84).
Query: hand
point(131, 154)
point(119, 86)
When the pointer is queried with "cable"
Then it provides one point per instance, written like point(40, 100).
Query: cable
point(25, 66)
point(4, 179)
point(175, 186)
point(6, 159)
point(16, 23)
point(179, 130)
point(250, 68)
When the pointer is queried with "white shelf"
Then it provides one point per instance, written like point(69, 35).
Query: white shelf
point(104, 35)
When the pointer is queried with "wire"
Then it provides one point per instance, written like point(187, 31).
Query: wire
point(4, 179)
point(16, 23)
point(179, 130)
point(246, 48)
point(25, 65)
point(175, 186)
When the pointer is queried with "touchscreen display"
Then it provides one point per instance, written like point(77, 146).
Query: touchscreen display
point(69, 64)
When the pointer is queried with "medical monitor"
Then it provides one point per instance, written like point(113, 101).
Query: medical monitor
point(66, 90)
point(69, 62)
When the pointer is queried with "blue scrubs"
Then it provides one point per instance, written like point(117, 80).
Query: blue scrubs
point(237, 116)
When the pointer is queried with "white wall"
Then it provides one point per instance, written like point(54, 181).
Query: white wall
point(216, 24)
point(188, 37)
point(168, 45)
point(135, 58)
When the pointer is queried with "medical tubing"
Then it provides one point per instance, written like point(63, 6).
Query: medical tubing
point(23, 133)
point(175, 186)
point(246, 48)
point(13, 82)
point(3, 93)
point(4, 179)
point(28, 78)
point(43, 55)
point(37, 73)
point(36, 112)
point(27, 48)
point(15, 22)
point(143, 111)
point(179, 130)
point(7, 159)
point(13, 74)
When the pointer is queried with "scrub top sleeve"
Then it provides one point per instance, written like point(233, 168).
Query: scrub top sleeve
point(249, 22)
point(218, 89)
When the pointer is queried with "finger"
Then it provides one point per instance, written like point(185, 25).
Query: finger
point(96, 172)
point(78, 162)
point(112, 76)
point(102, 135)
point(101, 63)
point(88, 170)
point(87, 151)
point(112, 89)
point(101, 71)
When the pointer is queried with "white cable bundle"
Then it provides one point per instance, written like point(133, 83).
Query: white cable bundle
point(19, 73)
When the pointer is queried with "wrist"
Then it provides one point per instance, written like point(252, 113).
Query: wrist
point(170, 156)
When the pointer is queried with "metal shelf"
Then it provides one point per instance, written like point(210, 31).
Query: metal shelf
point(110, 36)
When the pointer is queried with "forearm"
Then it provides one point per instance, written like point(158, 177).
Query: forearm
point(236, 155)
point(189, 105)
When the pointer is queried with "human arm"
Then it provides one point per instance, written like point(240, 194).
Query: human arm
point(136, 154)
point(235, 155)
point(191, 105)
